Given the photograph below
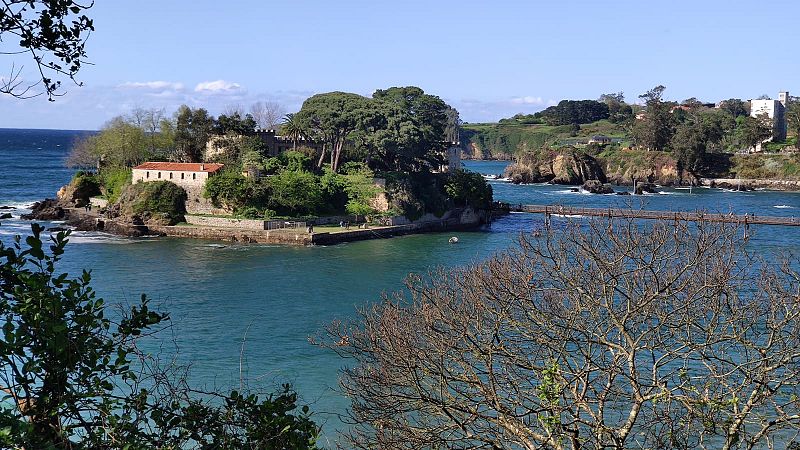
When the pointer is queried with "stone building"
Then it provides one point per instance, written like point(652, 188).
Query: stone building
point(191, 177)
point(182, 174)
point(775, 110)
point(277, 144)
point(452, 157)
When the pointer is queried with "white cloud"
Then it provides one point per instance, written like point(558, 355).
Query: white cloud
point(155, 85)
point(217, 86)
point(528, 100)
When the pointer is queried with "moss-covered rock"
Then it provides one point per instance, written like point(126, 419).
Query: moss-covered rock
point(82, 187)
point(159, 202)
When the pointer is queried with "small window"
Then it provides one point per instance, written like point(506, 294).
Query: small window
point(148, 174)
point(170, 175)
point(159, 175)
point(194, 176)
point(182, 175)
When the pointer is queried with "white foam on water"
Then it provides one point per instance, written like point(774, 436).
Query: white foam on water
point(783, 207)
point(94, 237)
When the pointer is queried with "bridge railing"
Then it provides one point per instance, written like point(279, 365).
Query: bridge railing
point(561, 210)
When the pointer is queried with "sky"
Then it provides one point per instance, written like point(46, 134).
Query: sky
point(488, 59)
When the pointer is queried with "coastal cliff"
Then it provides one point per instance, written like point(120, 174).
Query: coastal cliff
point(562, 166)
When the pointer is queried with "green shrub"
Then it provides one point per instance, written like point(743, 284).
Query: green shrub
point(249, 212)
point(295, 192)
point(229, 189)
point(114, 180)
point(468, 189)
point(156, 197)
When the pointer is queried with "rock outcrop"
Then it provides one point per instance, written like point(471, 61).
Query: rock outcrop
point(597, 187)
point(562, 166)
point(642, 188)
point(625, 166)
point(47, 209)
point(79, 190)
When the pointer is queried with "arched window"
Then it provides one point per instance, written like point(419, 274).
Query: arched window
point(148, 174)
point(159, 175)
point(182, 174)
point(194, 176)
point(170, 175)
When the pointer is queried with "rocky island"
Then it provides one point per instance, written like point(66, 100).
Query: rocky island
point(225, 179)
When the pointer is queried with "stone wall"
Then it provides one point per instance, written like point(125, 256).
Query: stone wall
point(226, 222)
point(98, 202)
point(197, 204)
point(286, 237)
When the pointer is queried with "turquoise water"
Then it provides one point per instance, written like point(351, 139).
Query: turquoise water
point(279, 296)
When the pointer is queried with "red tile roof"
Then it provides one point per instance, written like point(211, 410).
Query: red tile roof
point(180, 167)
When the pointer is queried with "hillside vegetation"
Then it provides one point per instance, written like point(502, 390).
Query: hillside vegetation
point(505, 140)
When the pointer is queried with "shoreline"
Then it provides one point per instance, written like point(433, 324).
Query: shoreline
point(459, 219)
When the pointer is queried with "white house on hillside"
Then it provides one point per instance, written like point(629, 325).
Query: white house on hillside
point(776, 111)
point(187, 175)
point(191, 177)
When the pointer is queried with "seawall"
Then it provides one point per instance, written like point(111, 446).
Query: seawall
point(752, 183)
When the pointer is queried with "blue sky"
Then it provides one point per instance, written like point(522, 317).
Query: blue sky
point(488, 59)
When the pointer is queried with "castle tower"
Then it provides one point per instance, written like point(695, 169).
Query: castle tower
point(783, 97)
point(780, 116)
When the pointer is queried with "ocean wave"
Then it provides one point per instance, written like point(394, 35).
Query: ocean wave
point(94, 237)
point(783, 207)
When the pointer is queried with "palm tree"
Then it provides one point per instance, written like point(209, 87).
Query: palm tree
point(292, 128)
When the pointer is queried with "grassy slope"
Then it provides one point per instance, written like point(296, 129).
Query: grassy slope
point(504, 140)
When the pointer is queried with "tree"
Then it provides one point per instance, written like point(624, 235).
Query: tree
point(654, 131)
point(469, 189)
point(82, 155)
point(53, 34)
point(754, 130)
point(235, 124)
point(692, 103)
point(192, 130)
point(408, 129)
point(292, 127)
point(120, 144)
point(330, 118)
point(75, 377)
point(568, 112)
point(618, 110)
point(267, 114)
point(735, 107)
point(453, 129)
point(606, 334)
point(126, 141)
point(295, 192)
point(793, 120)
point(693, 138)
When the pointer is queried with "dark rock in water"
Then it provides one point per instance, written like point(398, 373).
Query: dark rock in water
point(6, 216)
point(624, 193)
point(645, 187)
point(47, 209)
point(574, 190)
point(597, 187)
point(6, 207)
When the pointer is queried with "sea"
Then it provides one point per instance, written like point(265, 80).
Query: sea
point(250, 311)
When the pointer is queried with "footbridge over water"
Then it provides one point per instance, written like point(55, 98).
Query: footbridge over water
point(692, 216)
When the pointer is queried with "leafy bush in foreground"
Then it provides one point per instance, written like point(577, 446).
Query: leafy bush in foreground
point(76, 378)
